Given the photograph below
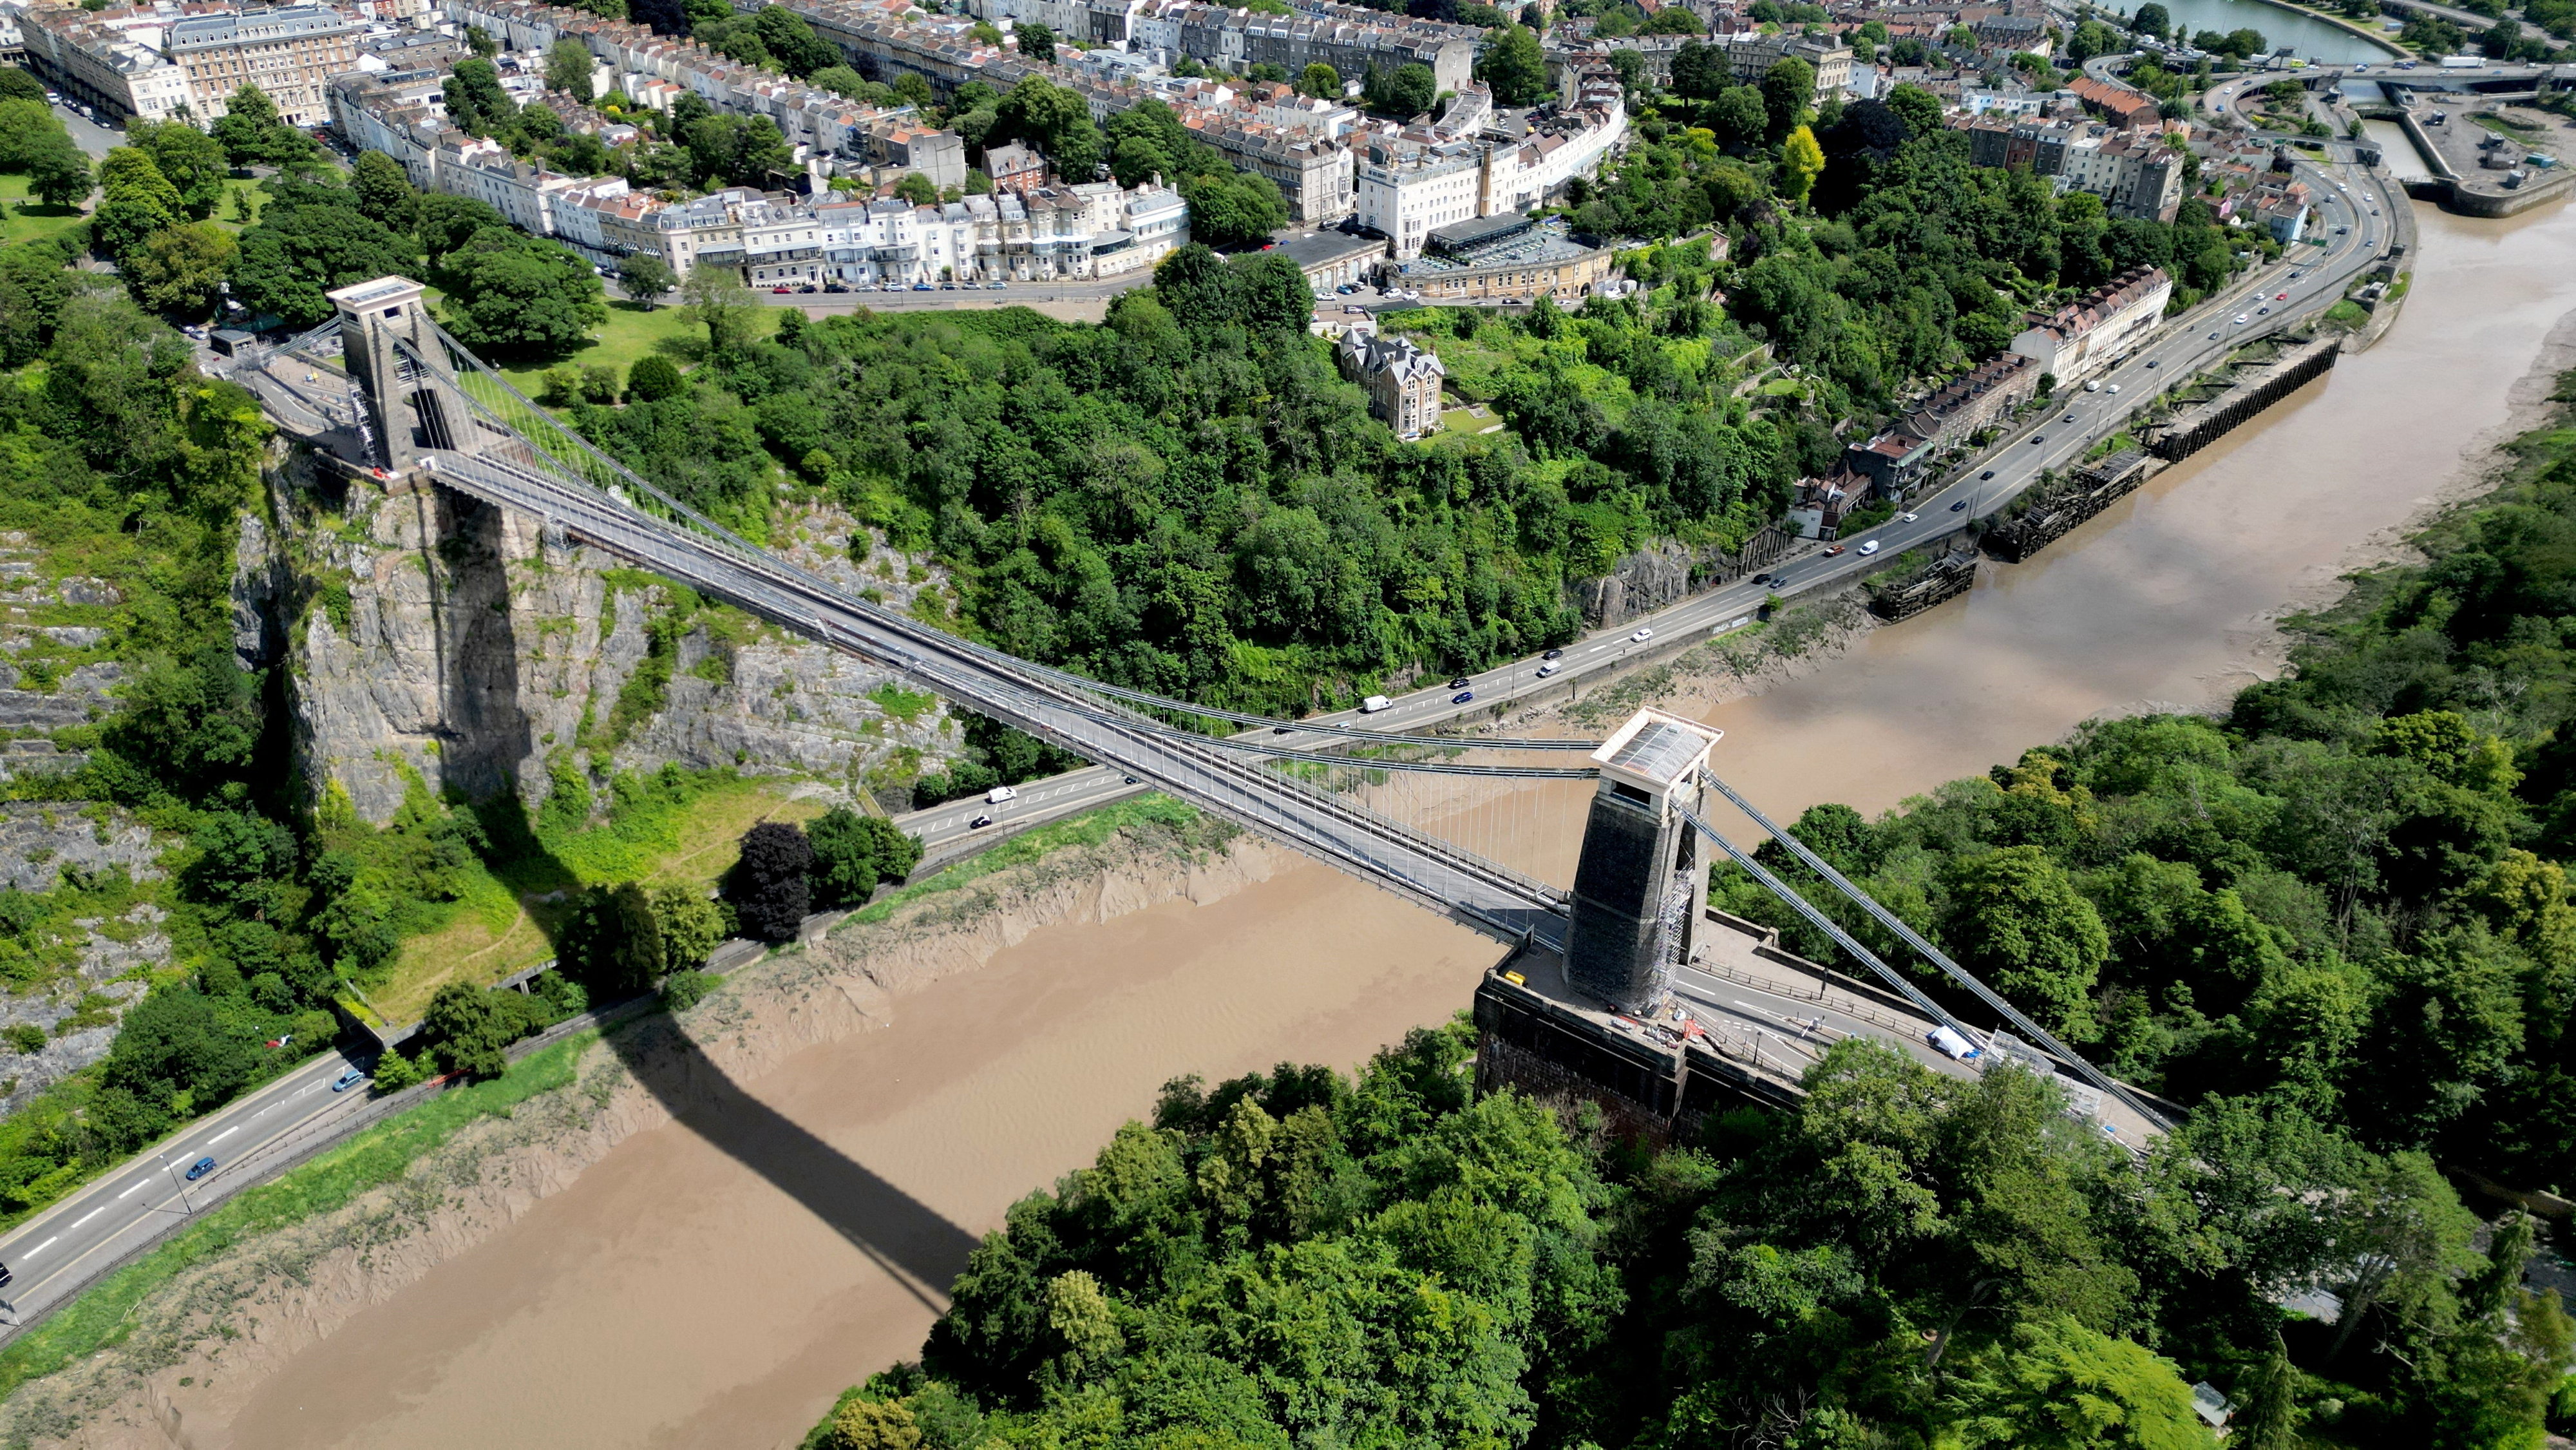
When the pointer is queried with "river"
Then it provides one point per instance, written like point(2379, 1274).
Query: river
point(671, 1296)
point(2304, 35)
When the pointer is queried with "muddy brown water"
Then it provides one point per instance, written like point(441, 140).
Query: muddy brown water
point(673, 1297)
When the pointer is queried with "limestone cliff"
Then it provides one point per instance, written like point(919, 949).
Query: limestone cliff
point(425, 634)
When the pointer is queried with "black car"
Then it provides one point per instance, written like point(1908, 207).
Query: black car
point(1954, 508)
point(1761, 578)
point(1552, 654)
point(1281, 729)
point(1460, 683)
point(1989, 473)
point(2039, 438)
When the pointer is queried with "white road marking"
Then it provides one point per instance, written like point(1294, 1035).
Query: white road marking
point(226, 1133)
point(139, 1186)
point(40, 1248)
point(93, 1213)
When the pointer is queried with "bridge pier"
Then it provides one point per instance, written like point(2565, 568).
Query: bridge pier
point(411, 408)
point(1641, 885)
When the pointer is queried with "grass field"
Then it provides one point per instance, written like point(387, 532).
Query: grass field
point(502, 925)
point(24, 220)
point(629, 335)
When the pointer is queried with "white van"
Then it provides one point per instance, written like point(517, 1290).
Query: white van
point(1000, 795)
point(1870, 548)
point(1373, 704)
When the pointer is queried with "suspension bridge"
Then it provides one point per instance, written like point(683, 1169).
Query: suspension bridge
point(1623, 957)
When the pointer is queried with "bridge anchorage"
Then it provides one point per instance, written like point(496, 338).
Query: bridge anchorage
point(1625, 988)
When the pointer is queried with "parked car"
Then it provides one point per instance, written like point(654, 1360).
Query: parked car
point(200, 1169)
point(347, 1080)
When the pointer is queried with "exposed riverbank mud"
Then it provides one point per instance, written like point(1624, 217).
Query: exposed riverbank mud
point(204, 1343)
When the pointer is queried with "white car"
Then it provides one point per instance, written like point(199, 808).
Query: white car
point(2115, 387)
point(1546, 670)
point(1643, 635)
point(1870, 548)
point(2240, 319)
point(1000, 795)
point(1905, 518)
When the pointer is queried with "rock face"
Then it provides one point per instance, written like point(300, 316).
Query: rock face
point(431, 637)
point(76, 1010)
point(1641, 583)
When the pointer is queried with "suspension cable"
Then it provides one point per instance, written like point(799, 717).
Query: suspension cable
point(1936, 957)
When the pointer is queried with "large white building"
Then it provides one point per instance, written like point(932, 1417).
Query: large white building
point(2081, 338)
point(1489, 163)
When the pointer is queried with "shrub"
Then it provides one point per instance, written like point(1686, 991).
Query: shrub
point(684, 990)
point(768, 886)
point(652, 379)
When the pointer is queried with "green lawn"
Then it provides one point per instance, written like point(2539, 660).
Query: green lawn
point(25, 220)
point(627, 337)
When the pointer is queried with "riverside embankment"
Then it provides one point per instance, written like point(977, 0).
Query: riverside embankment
point(707, 1261)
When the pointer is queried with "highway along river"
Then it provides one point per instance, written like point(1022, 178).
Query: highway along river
point(672, 1297)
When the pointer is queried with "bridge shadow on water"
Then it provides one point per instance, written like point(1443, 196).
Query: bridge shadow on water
point(483, 728)
point(918, 1247)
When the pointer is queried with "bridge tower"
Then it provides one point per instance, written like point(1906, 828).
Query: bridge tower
point(412, 408)
point(1641, 887)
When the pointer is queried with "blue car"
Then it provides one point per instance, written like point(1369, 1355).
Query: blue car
point(348, 1080)
point(1462, 697)
point(200, 1169)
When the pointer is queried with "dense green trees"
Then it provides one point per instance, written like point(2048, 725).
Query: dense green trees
point(852, 853)
point(1905, 1258)
point(520, 296)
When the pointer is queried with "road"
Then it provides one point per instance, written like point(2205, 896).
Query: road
point(2058, 443)
point(115, 1213)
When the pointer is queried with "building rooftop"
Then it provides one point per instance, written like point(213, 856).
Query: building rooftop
point(1657, 749)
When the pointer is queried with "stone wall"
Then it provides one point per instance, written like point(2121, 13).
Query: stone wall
point(112, 959)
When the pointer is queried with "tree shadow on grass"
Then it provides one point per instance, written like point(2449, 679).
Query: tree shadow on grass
point(918, 1247)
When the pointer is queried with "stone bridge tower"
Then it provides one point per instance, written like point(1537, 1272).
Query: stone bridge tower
point(411, 408)
point(1641, 887)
